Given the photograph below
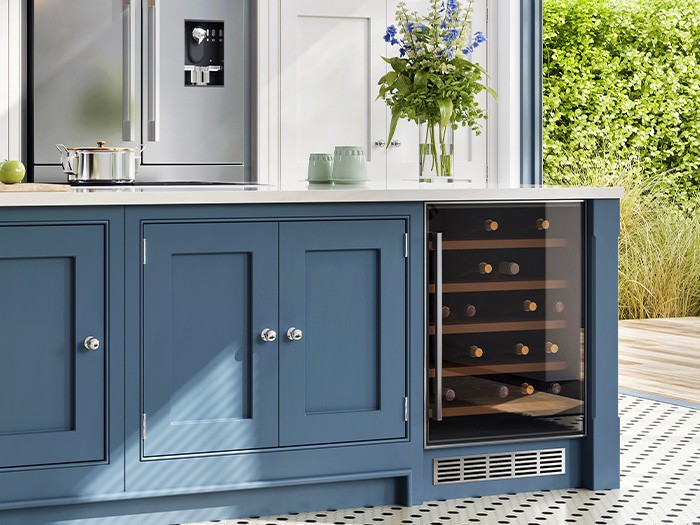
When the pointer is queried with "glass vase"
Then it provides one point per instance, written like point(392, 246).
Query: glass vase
point(436, 153)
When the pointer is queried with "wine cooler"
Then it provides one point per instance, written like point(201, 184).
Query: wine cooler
point(506, 350)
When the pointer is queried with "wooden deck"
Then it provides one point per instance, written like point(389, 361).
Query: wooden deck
point(661, 357)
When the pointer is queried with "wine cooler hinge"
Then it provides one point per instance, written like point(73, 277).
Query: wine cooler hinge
point(405, 245)
point(143, 426)
point(405, 409)
point(144, 252)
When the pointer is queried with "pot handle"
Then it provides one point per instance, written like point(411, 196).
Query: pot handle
point(65, 157)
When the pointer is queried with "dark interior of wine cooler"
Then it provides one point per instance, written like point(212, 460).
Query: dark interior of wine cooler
point(512, 317)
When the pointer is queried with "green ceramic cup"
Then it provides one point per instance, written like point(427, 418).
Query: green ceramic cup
point(349, 164)
point(320, 167)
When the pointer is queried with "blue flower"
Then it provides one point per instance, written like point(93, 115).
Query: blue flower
point(451, 53)
point(468, 50)
point(443, 25)
point(451, 35)
point(402, 52)
point(479, 37)
point(410, 27)
point(390, 34)
point(451, 5)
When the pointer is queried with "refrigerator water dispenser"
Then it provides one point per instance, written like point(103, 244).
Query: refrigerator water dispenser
point(204, 53)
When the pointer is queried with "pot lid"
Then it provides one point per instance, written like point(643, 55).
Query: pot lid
point(101, 147)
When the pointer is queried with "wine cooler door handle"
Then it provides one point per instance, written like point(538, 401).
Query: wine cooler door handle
point(129, 73)
point(436, 239)
point(153, 71)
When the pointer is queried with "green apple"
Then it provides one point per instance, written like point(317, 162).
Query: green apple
point(12, 171)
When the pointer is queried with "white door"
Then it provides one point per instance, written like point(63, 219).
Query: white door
point(330, 62)
point(470, 150)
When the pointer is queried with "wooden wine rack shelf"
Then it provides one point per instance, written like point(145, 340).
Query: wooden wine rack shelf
point(500, 326)
point(502, 286)
point(458, 370)
point(497, 244)
point(539, 404)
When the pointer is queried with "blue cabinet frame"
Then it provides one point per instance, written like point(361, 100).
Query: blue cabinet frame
point(66, 264)
point(385, 453)
point(128, 487)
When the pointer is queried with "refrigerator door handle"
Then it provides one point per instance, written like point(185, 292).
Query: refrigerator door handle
point(436, 240)
point(129, 74)
point(153, 70)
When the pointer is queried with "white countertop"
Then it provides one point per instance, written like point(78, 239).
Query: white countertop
point(299, 193)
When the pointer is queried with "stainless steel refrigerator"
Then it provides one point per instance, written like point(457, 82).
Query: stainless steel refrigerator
point(173, 75)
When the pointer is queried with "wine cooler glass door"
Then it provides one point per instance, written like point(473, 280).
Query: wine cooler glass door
point(506, 348)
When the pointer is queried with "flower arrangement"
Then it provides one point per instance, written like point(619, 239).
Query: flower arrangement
point(432, 81)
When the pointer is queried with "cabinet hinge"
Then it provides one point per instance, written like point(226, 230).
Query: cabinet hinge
point(405, 245)
point(143, 250)
point(405, 409)
point(143, 426)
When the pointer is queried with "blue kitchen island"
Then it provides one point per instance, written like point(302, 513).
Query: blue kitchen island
point(184, 354)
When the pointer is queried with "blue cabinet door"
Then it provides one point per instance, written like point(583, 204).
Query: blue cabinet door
point(209, 380)
point(52, 388)
point(343, 285)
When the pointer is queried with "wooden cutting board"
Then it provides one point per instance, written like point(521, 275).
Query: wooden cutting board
point(31, 186)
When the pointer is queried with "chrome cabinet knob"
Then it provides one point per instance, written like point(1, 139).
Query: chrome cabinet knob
point(91, 343)
point(380, 143)
point(294, 334)
point(268, 335)
point(396, 143)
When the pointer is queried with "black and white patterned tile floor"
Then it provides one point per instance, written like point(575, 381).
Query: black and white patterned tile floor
point(660, 458)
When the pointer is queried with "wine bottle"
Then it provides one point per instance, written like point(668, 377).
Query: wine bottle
point(559, 306)
point(491, 389)
point(527, 389)
point(551, 388)
point(502, 391)
point(508, 268)
point(542, 224)
point(448, 394)
point(446, 311)
point(529, 306)
point(526, 306)
point(469, 310)
point(475, 351)
point(521, 349)
point(490, 225)
point(551, 348)
point(473, 388)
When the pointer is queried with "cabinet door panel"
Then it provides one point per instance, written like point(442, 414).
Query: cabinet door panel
point(343, 284)
point(51, 388)
point(331, 62)
point(209, 379)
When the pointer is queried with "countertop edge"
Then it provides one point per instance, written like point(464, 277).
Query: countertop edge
point(271, 196)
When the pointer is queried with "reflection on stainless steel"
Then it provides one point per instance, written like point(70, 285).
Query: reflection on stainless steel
point(114, 71)
point(99, 164)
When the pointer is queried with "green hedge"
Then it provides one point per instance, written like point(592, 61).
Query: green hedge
point(623, 76)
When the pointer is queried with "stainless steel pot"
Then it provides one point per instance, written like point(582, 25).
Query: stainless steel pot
point(100, 164)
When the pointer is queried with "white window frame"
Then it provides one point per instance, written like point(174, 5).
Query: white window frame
point(504, 140)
